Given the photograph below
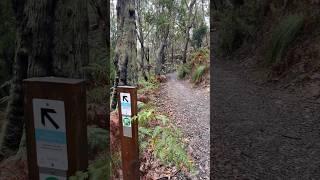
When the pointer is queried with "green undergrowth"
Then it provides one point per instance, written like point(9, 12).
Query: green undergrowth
point(183, 71)
point(197, 68)
point(156, 132)
point(98, 139)
point(237, 25)
point(198, 73)
point(282, 36)
point(232, 32)
point(98, 95)
point(148, 86)
point(100, 167)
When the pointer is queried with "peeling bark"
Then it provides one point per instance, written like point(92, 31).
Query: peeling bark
point(160, 55)
point(51, 40)
point(126, 43)
point(141, 40)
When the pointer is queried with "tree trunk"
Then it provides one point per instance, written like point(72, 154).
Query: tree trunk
point(148, 60)
point(160, 55)
point(101, 21)
point(187, 32)
point(52, 40)
point(125, 59)
point(115, 84)
point(126, 44)
point(141, 40)
point(172, 53)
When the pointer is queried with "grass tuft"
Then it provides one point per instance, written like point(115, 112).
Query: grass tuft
point(198, 73)
point(183, 71)
point(282, 36)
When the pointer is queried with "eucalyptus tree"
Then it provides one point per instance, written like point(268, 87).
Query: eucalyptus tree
point(125, 59)
point(144, 27)
point(126, 51)
point(188, 25)
point(164, 22)
point(51, 40)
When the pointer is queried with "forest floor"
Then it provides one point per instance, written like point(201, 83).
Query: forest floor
point(189, 108)
point(261, 131)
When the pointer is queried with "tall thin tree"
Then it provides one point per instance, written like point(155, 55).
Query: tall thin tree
point(189, 24)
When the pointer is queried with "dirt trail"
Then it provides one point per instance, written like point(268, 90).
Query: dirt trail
point(190, 111)
point(261, 132)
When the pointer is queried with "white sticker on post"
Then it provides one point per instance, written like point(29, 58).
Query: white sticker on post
point(50, 133)
point(125, 100)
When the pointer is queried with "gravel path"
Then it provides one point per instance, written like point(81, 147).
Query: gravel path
point(190, 108)
point(261, 132)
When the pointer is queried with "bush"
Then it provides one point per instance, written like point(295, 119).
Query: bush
point(282, 36)
point(201, 56)
point(98, 140)
point(183, 71)
point(145, 116)
point(238, 25)
point(198, 35)
point(198, 73)
point(145, 86)
point(231, 35)
point(169, 148)
point(164, 138)
point(99, 169)
point(98, 95)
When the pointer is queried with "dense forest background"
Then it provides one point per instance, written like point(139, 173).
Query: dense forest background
point(108, 43)
point(265, 59)
point(152, 43)
point(53, 38)
point(278, 39)
point(167, 34)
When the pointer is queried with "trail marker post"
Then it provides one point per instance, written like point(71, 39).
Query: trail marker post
point(56, 129)
point(128, 108)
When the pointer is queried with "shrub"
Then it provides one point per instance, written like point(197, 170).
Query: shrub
point(145, 116)
point(231, 34)
point(98, 95)
point(145, 86)
point(238, 25)
point(282, 36)
point(164, 139)
point(198, 73)
point(169, 148)
point(97, 139)
point(201, 56)
point(183, 71)
point(198, 35)
point(99, 169)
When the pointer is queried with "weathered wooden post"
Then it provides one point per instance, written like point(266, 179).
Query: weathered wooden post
point(128, 108)
point(56, 128)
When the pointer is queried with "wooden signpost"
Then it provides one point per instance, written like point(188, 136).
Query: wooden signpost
point(127, 98)
point(56, 129)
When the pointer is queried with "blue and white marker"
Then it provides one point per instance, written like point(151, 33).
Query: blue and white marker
point(126, 113)
point(50, 134)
